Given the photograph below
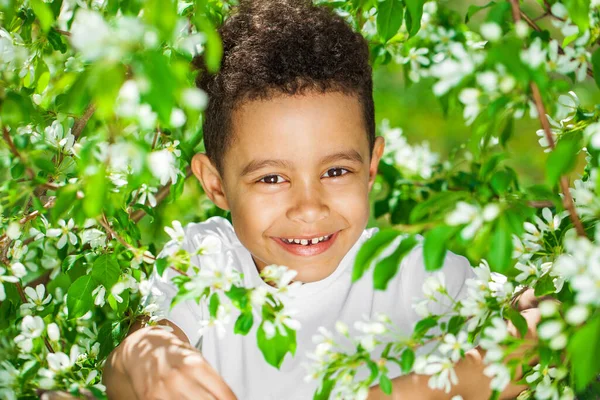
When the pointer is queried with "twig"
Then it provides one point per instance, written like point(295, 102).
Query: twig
point(80, 124)
point(106, 225)
point(65, 33)
point(540, 203)
point(537, 98)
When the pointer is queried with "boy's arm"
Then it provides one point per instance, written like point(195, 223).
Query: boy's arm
point(151, 363)
point(472, 382)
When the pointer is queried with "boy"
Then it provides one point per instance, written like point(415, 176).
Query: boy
point(291, 152)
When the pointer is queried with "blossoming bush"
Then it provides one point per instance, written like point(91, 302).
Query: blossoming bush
point(99, 119)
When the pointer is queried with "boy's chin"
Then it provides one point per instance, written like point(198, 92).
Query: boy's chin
point(308, 275)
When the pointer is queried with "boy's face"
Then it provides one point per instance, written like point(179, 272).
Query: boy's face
point(298, 168)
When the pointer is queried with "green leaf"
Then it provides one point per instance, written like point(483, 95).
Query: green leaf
point(70, 261)
point(579, 13)
point(389, 18)
point(584, 350)
point(407, 359)
point(162, 82)
point(238, 296)
point(370, 249)
point(425, 325)
point(500, 250)
point(434, 246)
point(64, 201)
point(15, 109)
point(455, 323)
point(501, 181)
point(213, 305)
point(110, 335)
point(43, 13)
point(437, 204)
point(79, 296)
point(161, 14)
point(518, 321)
point(243, 323)
point(475, 9)
point(160, 264)
point(413, 16)
point(275, 348)
point(385, 384)
point(563, 158)
point(95, 192)
point(56, 41)
point(17, 170)
point(214, 46)
point(106, 270)
point(596, 66)
point(325, 389)
point(388, 267)
point(544, 286)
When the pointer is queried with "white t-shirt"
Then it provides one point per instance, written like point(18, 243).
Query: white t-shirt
point(238, 359)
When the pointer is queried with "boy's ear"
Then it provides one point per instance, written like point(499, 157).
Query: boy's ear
point(210, 179)
point(375, 157)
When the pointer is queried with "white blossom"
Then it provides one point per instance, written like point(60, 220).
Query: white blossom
point(451, 71)
point(283, 319)
point(37, 297)
point(500, 375)
point(176, 232)
point(99, 294)
point(163, 166)
point(195, 98)
point(534, 55)
point(222, 319)
point(577, 314)
point(65, 232)
point(491, 31)
point(455, 345)
point(147, 193)
point(281, 276)
point(473, 216)
point(53, 332)
point(5, 278)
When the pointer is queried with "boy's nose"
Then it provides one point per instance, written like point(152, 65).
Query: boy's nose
point(308, 205)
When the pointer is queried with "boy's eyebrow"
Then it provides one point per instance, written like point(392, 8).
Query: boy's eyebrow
point(254, 165)
point(350, 155)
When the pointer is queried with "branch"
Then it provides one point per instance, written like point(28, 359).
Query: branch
point(80, 124)
point(537, 98)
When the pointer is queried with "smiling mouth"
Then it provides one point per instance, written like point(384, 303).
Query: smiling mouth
point(307, 246)
point(307, 241)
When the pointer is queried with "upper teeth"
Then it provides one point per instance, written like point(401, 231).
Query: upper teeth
point(305, 242)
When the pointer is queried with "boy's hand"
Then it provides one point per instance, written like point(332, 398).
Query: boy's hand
point(152, 363)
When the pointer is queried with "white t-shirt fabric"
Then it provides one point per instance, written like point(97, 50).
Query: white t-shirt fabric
point(238, 359)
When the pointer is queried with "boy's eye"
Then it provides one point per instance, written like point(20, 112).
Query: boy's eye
point(272, 179)
point(335, 172)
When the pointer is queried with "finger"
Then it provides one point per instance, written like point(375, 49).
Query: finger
point(197, 368)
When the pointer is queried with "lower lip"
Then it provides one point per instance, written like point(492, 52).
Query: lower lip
point(309, 250)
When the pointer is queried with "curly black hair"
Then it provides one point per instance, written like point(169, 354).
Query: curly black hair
point(274, 47)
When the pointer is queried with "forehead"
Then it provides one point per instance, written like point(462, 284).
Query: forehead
point(299, 128)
